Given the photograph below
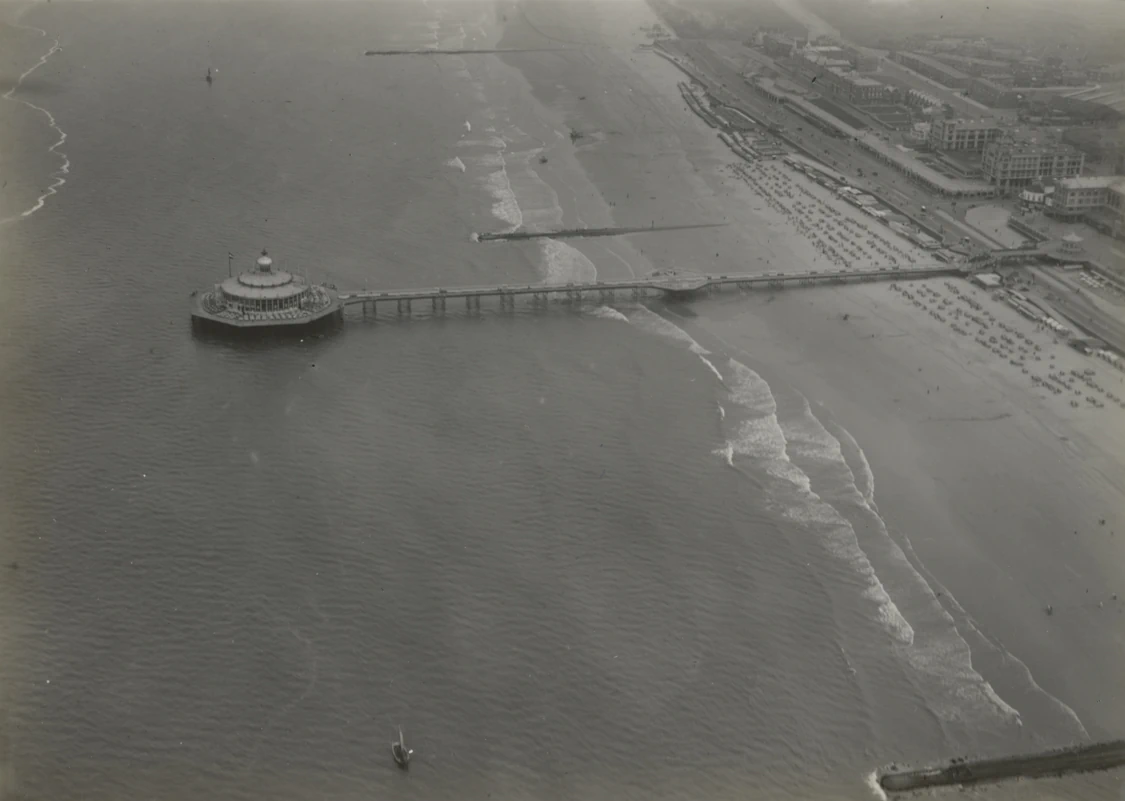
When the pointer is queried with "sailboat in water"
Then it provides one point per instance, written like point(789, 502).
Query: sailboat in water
point(400, 752)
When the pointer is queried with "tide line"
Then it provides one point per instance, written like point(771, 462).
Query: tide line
point(57, 178)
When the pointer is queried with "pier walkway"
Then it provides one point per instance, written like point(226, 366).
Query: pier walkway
point(676, 285)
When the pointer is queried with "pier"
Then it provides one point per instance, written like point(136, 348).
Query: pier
point(679, 286)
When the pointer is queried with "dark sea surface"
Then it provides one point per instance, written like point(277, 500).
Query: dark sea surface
point(574, 553)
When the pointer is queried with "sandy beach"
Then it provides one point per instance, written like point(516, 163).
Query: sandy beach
point(997, 477)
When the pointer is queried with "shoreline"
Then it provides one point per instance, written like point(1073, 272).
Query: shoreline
point(934, 423)
point(54, 177)
point(868, 379)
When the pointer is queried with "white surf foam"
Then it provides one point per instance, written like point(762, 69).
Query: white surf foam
point(868, 488)
point(492, 141)
point(56, 177)
point(565, 264)
point(1079, 730)
point(653, 323)
point(713, 368)
point(538, 200)
point(937, 650)
point(763, 438)
point(456, 163)
point(872, 782)
point(607, 313)
point(433, 26)
point(505, 207)
point(955, 690)
point(522, 198)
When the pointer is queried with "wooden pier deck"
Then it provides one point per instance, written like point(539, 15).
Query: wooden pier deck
point(674, 285)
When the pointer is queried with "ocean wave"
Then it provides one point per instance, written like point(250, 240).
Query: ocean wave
point(521, 198)
point(608, 313)
point(648, 320)
point(564, 264)
point(1079, 730)
point(872, 782)
point(727, 452)
point(762, 438)
point(492, 141)
point(505, 206)
point(932, 645)
point(490, 161)
point(713, 368)
point(937, 648)
point(456, 164)
point(56, 177)
point(868, 490)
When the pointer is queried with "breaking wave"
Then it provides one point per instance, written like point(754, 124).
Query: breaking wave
point(608, 313)
point(565, 264)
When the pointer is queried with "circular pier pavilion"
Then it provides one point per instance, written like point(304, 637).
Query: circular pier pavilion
point(265, 298)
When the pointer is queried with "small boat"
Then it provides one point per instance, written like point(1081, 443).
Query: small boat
point(400, 752)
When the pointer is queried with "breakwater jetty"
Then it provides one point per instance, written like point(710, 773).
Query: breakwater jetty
point(1058, 762)
point(436, 52)
point(674, 285)
point(573, 233)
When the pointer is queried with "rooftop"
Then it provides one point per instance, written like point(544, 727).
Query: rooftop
point(264, 282)
point(1022, 145)
point(937, 65)
point(961, 122)
point(902, 157)
point(1091, 182)
point(979, 62)
point(988, 84)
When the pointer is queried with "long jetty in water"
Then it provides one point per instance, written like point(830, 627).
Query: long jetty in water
point(435, 52)
point(1059, 762)
point(578, 233)
point(675, 285)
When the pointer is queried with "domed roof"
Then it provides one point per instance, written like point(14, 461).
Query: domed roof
point(264, 283)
